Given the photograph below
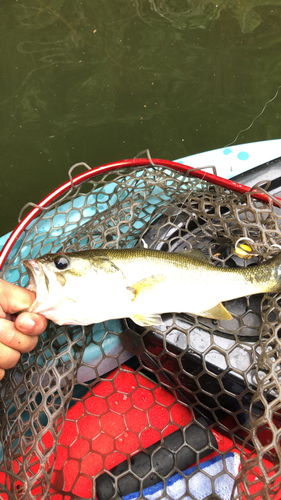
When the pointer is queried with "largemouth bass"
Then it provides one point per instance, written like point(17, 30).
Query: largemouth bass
point(91, 286)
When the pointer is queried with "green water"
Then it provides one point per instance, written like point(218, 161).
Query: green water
point(99, 81)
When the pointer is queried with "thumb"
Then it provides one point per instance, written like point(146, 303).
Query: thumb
point(14, 298)
point(30, 323)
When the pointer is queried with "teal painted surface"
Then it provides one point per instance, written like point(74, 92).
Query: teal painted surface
point(236, 159)
point(3, 240)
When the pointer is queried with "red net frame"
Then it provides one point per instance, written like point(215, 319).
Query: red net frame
point(111, 167)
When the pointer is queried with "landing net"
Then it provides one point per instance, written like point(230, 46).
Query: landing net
point(186, 410)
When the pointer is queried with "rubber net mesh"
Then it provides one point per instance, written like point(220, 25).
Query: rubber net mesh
point(186, 410)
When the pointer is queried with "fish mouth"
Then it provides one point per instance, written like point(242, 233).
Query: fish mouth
point(35, 274)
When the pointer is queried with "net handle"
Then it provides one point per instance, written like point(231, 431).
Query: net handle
point(109, 167)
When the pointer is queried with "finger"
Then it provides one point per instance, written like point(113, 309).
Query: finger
point(8, 357)
point(31, 323)
point(2, 373)
point(14, 298)
point(12, 338)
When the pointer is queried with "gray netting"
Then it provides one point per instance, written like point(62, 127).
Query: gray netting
point(89, 404)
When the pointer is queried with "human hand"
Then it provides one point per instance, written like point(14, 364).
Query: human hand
point(17, 334)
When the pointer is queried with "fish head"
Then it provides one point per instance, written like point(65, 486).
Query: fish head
point(69, 286)
point(50, 273)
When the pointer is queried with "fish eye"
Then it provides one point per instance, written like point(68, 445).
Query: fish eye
point(61, 263)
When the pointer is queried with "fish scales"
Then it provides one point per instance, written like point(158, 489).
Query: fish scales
point(252, 279)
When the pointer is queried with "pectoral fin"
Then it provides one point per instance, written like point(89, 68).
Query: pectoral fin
point(147, 320)
point(217, 312)
point(145, 285)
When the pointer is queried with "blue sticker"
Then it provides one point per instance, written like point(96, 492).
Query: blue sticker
point(227, 151)
point(243, 155)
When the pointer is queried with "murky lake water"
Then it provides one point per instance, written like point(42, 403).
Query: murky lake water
point(99, 81)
